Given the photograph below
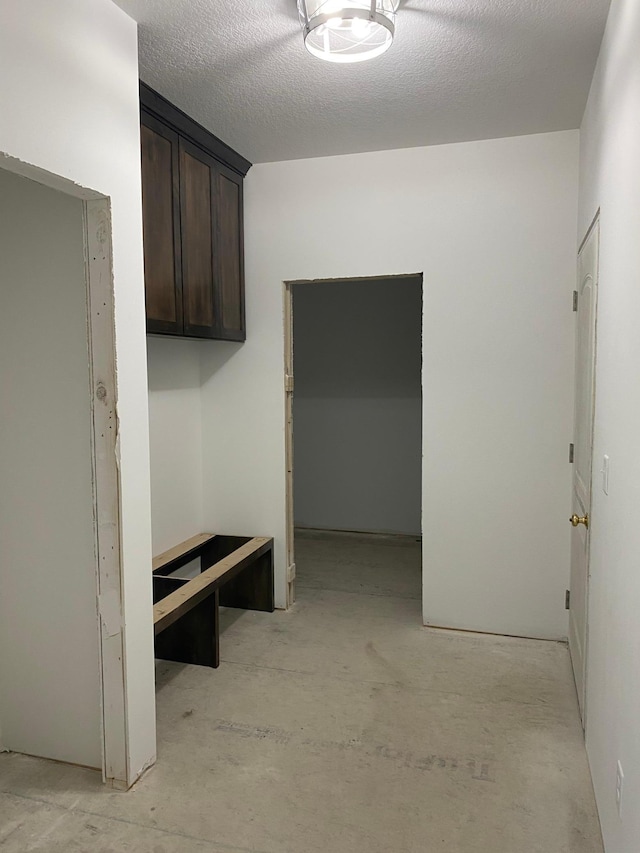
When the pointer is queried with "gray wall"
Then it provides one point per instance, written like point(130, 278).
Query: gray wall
point(357, 405)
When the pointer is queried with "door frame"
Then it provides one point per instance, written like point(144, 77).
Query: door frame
point(104, 442)
point(593, 227)
point(287, 296)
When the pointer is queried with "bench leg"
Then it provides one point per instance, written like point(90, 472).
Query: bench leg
point(252, 588)
point(194, 638)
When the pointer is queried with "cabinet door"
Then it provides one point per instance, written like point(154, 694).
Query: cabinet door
point(230, 254)
point(197, 189)
point(161, 227)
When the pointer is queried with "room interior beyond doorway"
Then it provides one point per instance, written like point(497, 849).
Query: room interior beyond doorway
point(355, 349)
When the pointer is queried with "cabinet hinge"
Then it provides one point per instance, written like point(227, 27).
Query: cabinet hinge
point(567, 600)
point(575, 300)
point(288, 383)
point(571, 452)
point(291, 573)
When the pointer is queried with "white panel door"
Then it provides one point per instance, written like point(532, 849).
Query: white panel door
point(582, 460)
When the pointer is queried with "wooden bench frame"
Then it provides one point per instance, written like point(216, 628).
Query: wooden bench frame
point(234, 572)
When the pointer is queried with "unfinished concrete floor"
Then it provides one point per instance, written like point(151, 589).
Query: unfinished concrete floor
point(342, 726)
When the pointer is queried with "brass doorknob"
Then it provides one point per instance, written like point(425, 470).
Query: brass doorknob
point(576, 520)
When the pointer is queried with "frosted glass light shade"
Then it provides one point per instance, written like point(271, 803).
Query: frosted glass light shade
point(350, 31)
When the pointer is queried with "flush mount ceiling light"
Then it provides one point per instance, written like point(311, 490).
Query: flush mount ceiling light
point(350, 31)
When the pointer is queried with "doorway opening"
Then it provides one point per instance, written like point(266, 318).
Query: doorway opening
point(353, 379)
point(61, 652)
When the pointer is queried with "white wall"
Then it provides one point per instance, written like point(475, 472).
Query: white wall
point(357, 410)
point(182, 439)
point(492, 226)
point(69, 105)
point(610, 180)
point(175, 437)
point(49, 656)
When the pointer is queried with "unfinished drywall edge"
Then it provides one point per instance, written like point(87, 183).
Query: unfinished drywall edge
point(106, 483)
point(48, 179)
point(356, 278)
point(134, 778)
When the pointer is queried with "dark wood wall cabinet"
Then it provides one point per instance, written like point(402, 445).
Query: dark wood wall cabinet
point(193, 225)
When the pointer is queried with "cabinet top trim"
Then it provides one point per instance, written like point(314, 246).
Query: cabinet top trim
point(153, 103)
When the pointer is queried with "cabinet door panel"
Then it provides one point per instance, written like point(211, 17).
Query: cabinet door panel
point(161, 224)
point(230, 252)
point(197, 241)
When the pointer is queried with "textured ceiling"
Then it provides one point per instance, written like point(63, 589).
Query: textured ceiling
point(458, 70)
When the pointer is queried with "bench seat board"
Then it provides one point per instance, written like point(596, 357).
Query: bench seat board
point(176, 604)
point(182, 551)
